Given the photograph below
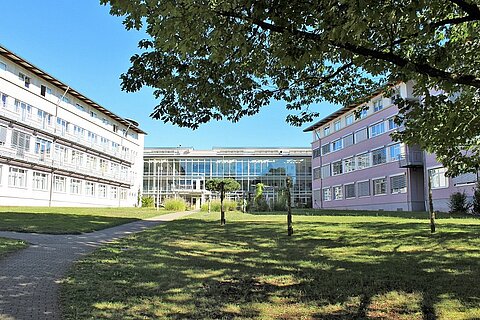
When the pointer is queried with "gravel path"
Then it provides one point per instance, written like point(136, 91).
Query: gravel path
point(29, 277)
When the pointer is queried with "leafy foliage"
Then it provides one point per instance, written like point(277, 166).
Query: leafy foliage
point(209, 60)
point(228, 185)
point(178, 204)
point(148, 202)
point(476, 199)
point(458, 203)
point(215, 206)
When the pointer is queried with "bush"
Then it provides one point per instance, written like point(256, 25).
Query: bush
point(476, 199)
point(175, 204)
point(148, 202)
point(215, 206)
point(458, 203)
point(261, 205)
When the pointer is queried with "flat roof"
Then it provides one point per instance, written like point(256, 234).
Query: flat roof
point(228, 151)
point(47, 77)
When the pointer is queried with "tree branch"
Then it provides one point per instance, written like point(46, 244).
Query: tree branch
point(470, 8)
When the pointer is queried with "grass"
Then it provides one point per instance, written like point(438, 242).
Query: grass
point(333, 267)
point(8, 245)
point(69, 220)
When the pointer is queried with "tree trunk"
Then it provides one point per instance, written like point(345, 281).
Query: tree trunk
point(222, 211)
point(289, 207)
point(430, 207)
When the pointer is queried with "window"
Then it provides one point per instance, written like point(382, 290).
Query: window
point(349, 191)
point(17, 177)
point(379, 156)
point(75, 186)
point(379, 186)
point(377, 129)
point(326, 148)
point(337, 145)
point(316, 173)
point(337, 193)
point(363, 188)
point(394, 152)
point(43, 90)
point(396, 95)
point(3, 135)
point(80, 107)
point(123, 194)
point(40, 181)
point(337, 168)
point(44, 117)
point(316, 153)
point(78, 131)
point(348, 140)
point(361, 135)
point(62, 125)
point(115, 146)
point(104, 141)
point(363, 161)
point(349, 119)
point(93, 114)
point(349, 164)
point(102, 191)
point(438, 178)
point(89, 189)
point(115, 128)
point(43, 148)
point(103, 165)
point(49, 90)
point(24, 109)
point(77, 158)
point(65, 99)
point(20, 140)
point(92, 137)
point(4, 99)
point(3, 66)
point(326, 171)
point(114, 192)
point(398, 184)
point(392, 125)
point(327, 194)
point(362, 113)
point(61, 154)
point(91, 162)
point(337, 125)
point(59, 184)
point(326, 131)
point(25, 79)
point(377, 105)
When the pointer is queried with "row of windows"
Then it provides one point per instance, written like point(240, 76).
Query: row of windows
point(46, 90)
point(366, 188)
point(360, 161)
point(46, 149)
point(356, 137)
point(17, 177)
point(376, 105)
point(26, 111)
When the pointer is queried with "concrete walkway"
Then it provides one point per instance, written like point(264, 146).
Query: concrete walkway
point(29, 277)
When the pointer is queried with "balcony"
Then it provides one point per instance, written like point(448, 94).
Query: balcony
point(411, 159)
point(32, 120)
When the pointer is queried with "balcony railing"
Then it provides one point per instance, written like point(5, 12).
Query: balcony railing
point(32, 120)
point(45, 160)
point(411, 159)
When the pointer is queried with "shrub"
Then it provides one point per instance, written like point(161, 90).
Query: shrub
point(458, 203)
point(215, 206)
point(148, 202)
point(476, 199)
point(175, 204)
point(261, 205)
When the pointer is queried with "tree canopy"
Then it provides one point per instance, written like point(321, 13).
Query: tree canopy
point(215, 59)
point(216, 185)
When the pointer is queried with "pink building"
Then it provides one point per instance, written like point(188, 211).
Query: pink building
point(356, 165)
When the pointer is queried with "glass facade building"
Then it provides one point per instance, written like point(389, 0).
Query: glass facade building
point(182, 172)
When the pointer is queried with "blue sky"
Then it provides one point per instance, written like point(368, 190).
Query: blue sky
point(79, 43)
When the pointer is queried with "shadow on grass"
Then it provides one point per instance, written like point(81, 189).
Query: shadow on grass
point(195, 269)
point(57, 223)
point(366, 213)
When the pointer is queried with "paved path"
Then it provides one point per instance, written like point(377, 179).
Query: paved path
point(29, 277)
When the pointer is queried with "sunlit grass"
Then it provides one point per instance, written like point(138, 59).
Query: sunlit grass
point(333, 267)
point(69, 220)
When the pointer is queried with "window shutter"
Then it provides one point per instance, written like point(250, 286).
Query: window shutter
point(363, 188)
point(348, 140)
point(326, 171)
point(464, 178)
point(398, 182)
point(350, 191)
point(3, 135)
point(361, 135)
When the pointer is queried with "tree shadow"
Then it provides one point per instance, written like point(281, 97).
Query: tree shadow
point(195, 269)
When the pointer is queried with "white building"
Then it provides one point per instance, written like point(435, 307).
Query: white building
point(59, 148)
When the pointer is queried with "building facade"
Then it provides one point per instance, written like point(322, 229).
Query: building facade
point(356, 165)
point(58, 147)
point(182, 172)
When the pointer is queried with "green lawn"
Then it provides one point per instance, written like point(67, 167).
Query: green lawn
point(9, 245)
point(69, 220)
point(334, 267)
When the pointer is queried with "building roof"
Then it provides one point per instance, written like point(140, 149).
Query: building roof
point(50, 79)
point(227, 151)
point(344, 110)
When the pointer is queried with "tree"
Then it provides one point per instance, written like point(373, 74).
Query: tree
point(222, 186)
point(226, 59)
